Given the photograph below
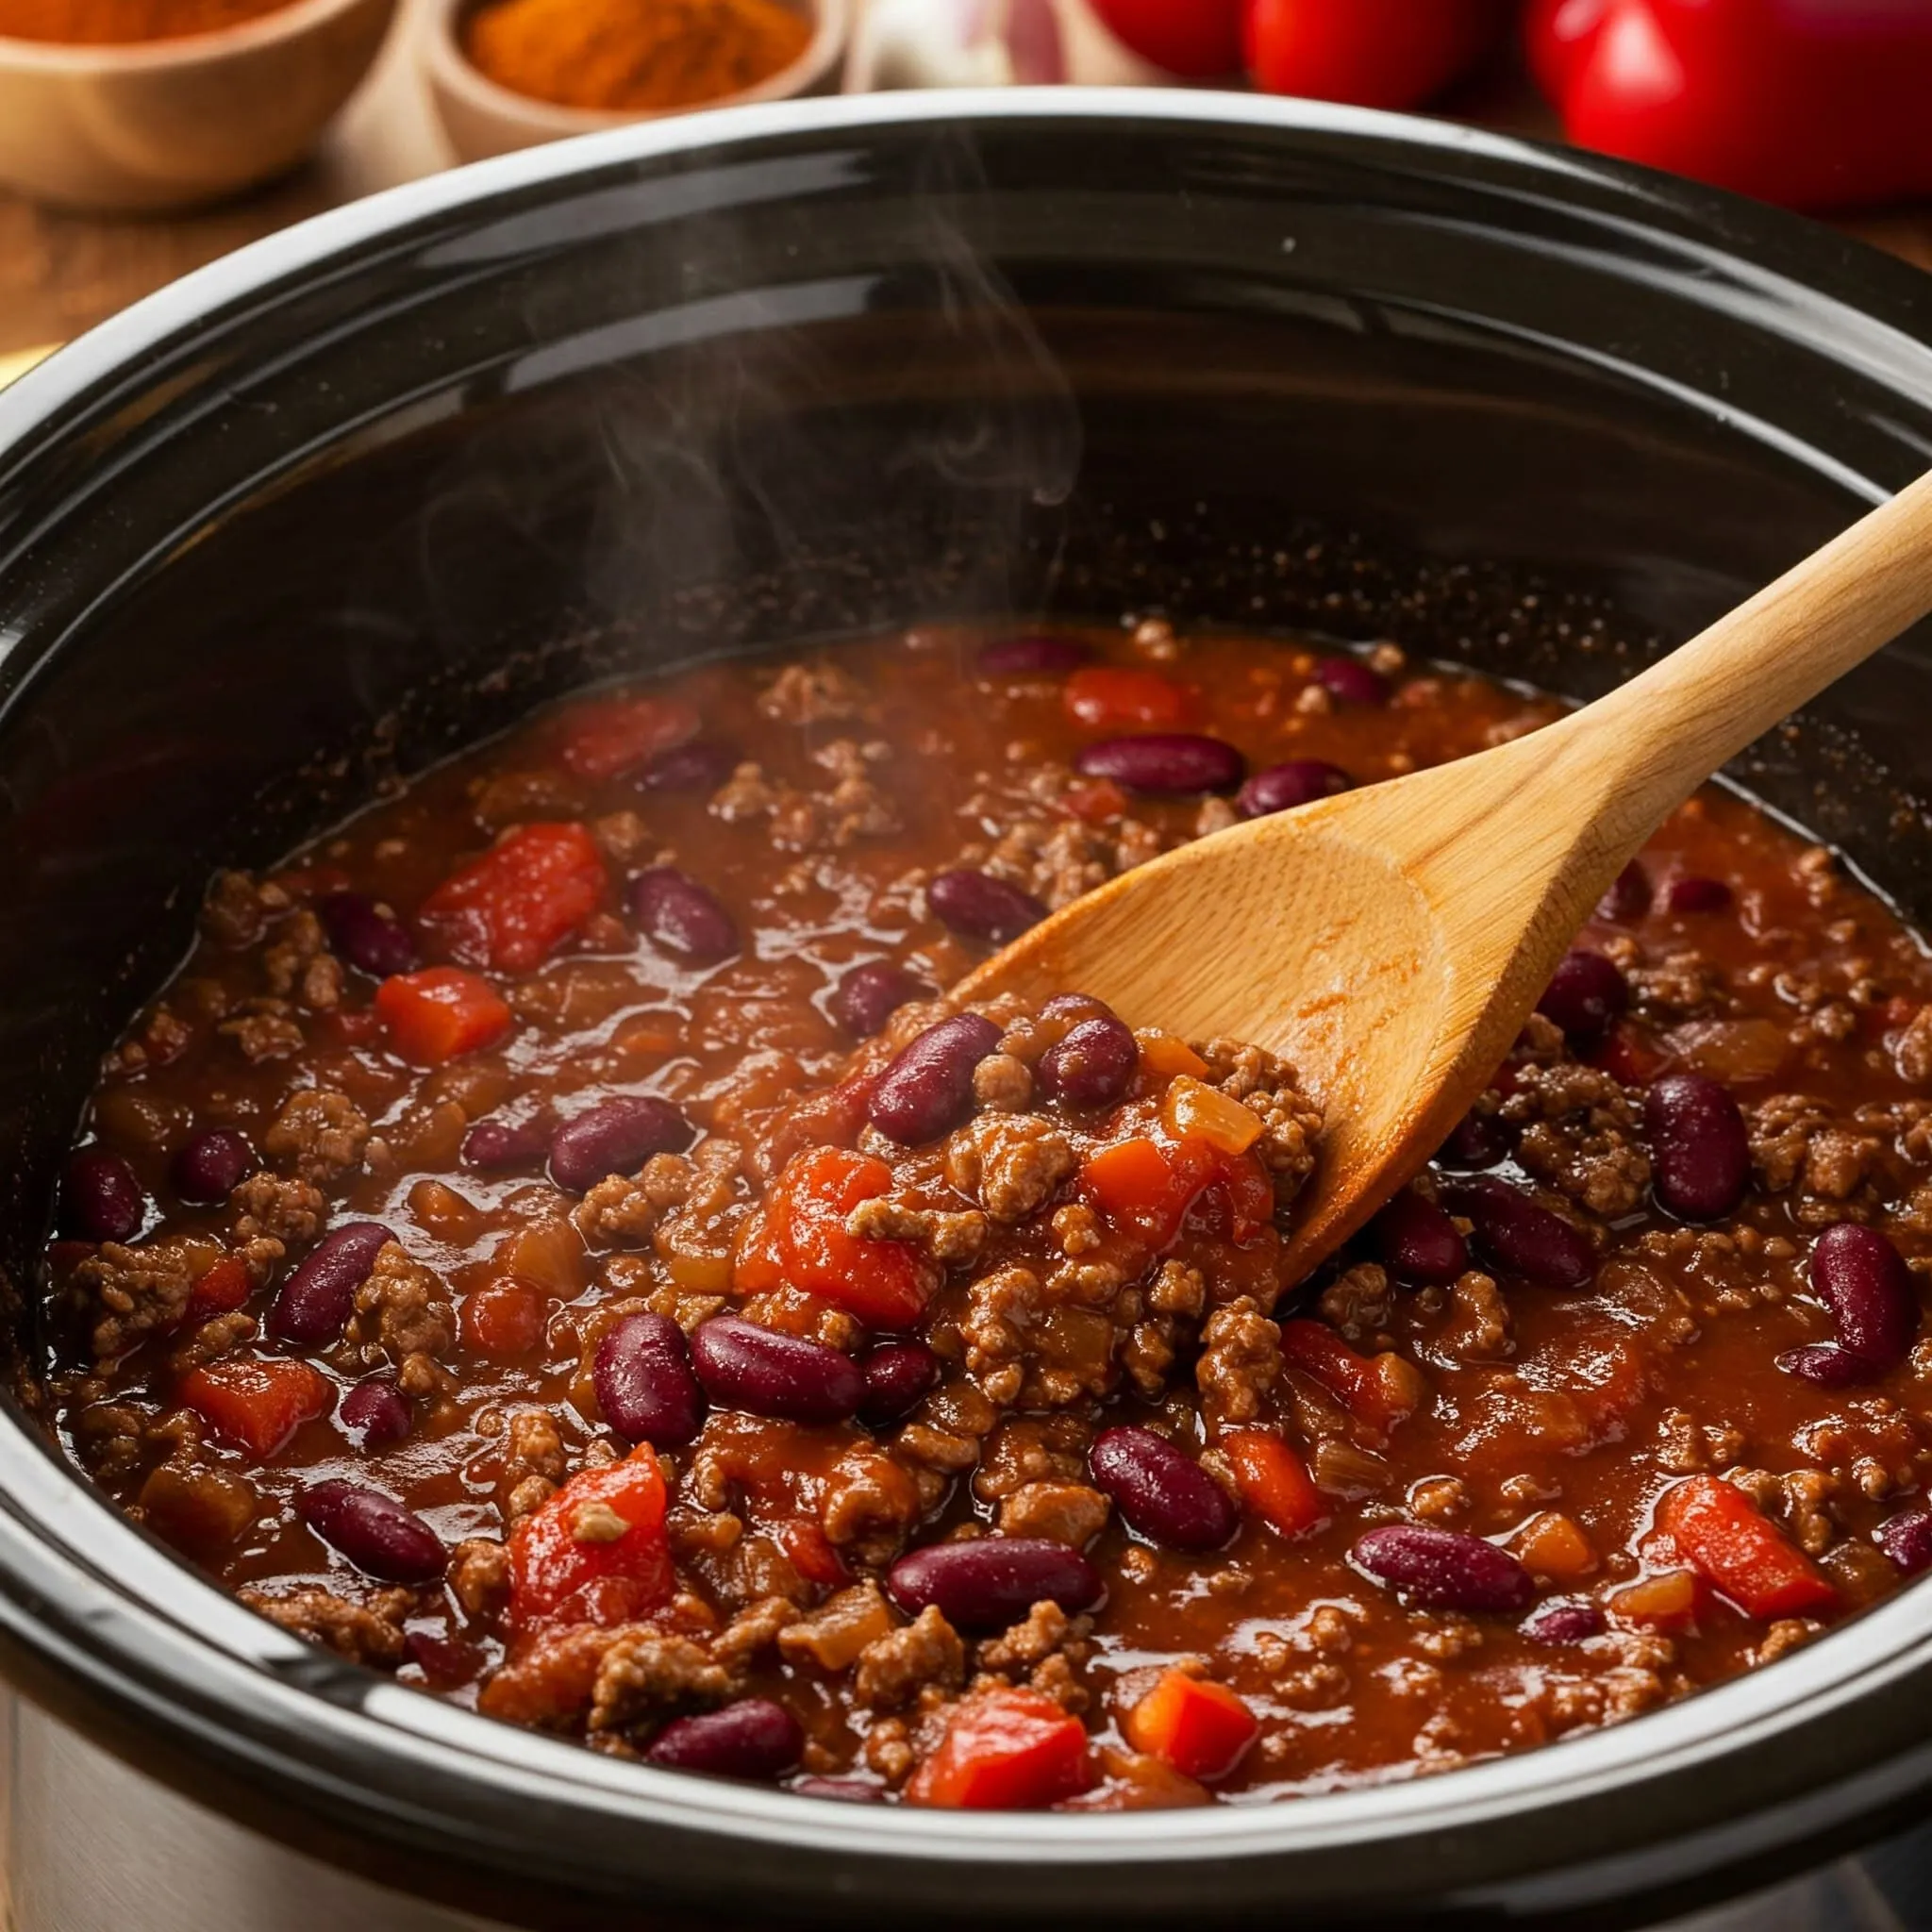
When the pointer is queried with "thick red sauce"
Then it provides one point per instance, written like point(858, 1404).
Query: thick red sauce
point(1663, 1503)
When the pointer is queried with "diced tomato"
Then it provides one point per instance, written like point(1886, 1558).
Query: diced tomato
point(1274, 1482)
point(349, 1025)
point(504, 1319)
point(596, 1552)
point(513, 907)
point(253, 1404)
point(604, 737)
point(1003, 1750)
point(812, 1553)
point(1728, 1540)
point(220, 1290)
point(1145, 1187)
point(1380, 1389)
point(799, 1240)
point(1193, 1724)
point(1113, 697)
point(440, 1013)
point(1094, 801)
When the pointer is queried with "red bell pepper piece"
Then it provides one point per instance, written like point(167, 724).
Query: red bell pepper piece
point(1201, 39)
point(799, 1238)
point(596, 1552)
point(604, 737)
point(1812, 104)
point(1274, 1483)
point(1728, 1540)
point(504, 1319)
point(1003, 1750)
point(255, 1405)
point(513, 907)
point(1115, 696)
point(439, 1013)
point(1199, 1727)
point(1372, 53)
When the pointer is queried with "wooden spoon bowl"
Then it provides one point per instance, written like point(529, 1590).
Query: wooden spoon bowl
point(1392, 942)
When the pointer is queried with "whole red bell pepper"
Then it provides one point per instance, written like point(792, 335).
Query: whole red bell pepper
point(1812, 104)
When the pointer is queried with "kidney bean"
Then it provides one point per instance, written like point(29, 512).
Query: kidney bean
point(980, 907)
point(1629, 897)
point(1864, 1281)
point(1417, 1241)
point(1352, 681)
point(1826, 1365)
point(211, 1166)
point(645, 1385)
point(898, 1377)
point(371, 940)
point(991, 1582)
point(1702, 1159)
point(869, 995)
point(617, 1136)
point(376, 1534)
point(1906, 1539)
point(494, 1144)
point(1479, 1141)
point(374, 1414)
point(702, 765)
point(314, 1304)
point(1298, 782)
point(1161, 1491)
point(100, 1198)
point(1697, 895)
point(1094, 1065)
point(743, 1366)
point(1444, 1567)
point(1033, 656)
point(928, 1088)
point(1563, 1623)
point(751, 1738)
point(1584, 996)
point(1524, 1238)
point(677, 913)
point(1165, 762)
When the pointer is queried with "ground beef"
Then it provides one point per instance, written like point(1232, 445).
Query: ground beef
point(270, 1208)
point(869, 1506)
point(646, 1674)
point(1797, 1144)
point(893, 1669)
point(1580, 1134)
point(299, 965)
point(1359, 1301)
point(1241, 1356)
point(1269, 1086)
point(1010, 1163)
point(620, 1212)
point(319, 1134)
point(1045, 1632)
point(952, 1239)
point(1912, 1049)
point(479, 1576)
point(238, 907)
point(219, 1336)
point(401, 1310)
point(1063, 1512)
point(1001, 1310)
point(533, 1464)
point(268, 1033)
point(135, 1290)
point(811, 694)
point(1678, 986)
point(368, 1633)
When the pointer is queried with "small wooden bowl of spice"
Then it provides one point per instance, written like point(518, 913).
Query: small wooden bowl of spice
point(510, 74)
point(141, 105)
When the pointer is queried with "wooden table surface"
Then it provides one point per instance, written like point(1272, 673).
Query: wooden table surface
point(61, 272)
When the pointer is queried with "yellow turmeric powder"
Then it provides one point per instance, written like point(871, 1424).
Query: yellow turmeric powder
point(634, 56)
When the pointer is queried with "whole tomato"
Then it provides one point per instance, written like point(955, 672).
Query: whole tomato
point(1199, 38)
point(1368, 52)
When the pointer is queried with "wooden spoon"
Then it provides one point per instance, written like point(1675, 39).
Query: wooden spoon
point(1391, 941)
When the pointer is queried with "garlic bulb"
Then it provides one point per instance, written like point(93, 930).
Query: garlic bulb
point(914, 43)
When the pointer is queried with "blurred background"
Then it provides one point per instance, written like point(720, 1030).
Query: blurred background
point(139, 139)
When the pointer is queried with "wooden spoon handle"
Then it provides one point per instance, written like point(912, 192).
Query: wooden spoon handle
point(1641, 751)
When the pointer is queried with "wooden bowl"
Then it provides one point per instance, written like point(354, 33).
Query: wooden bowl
point(483, 119)
point(169, 124)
